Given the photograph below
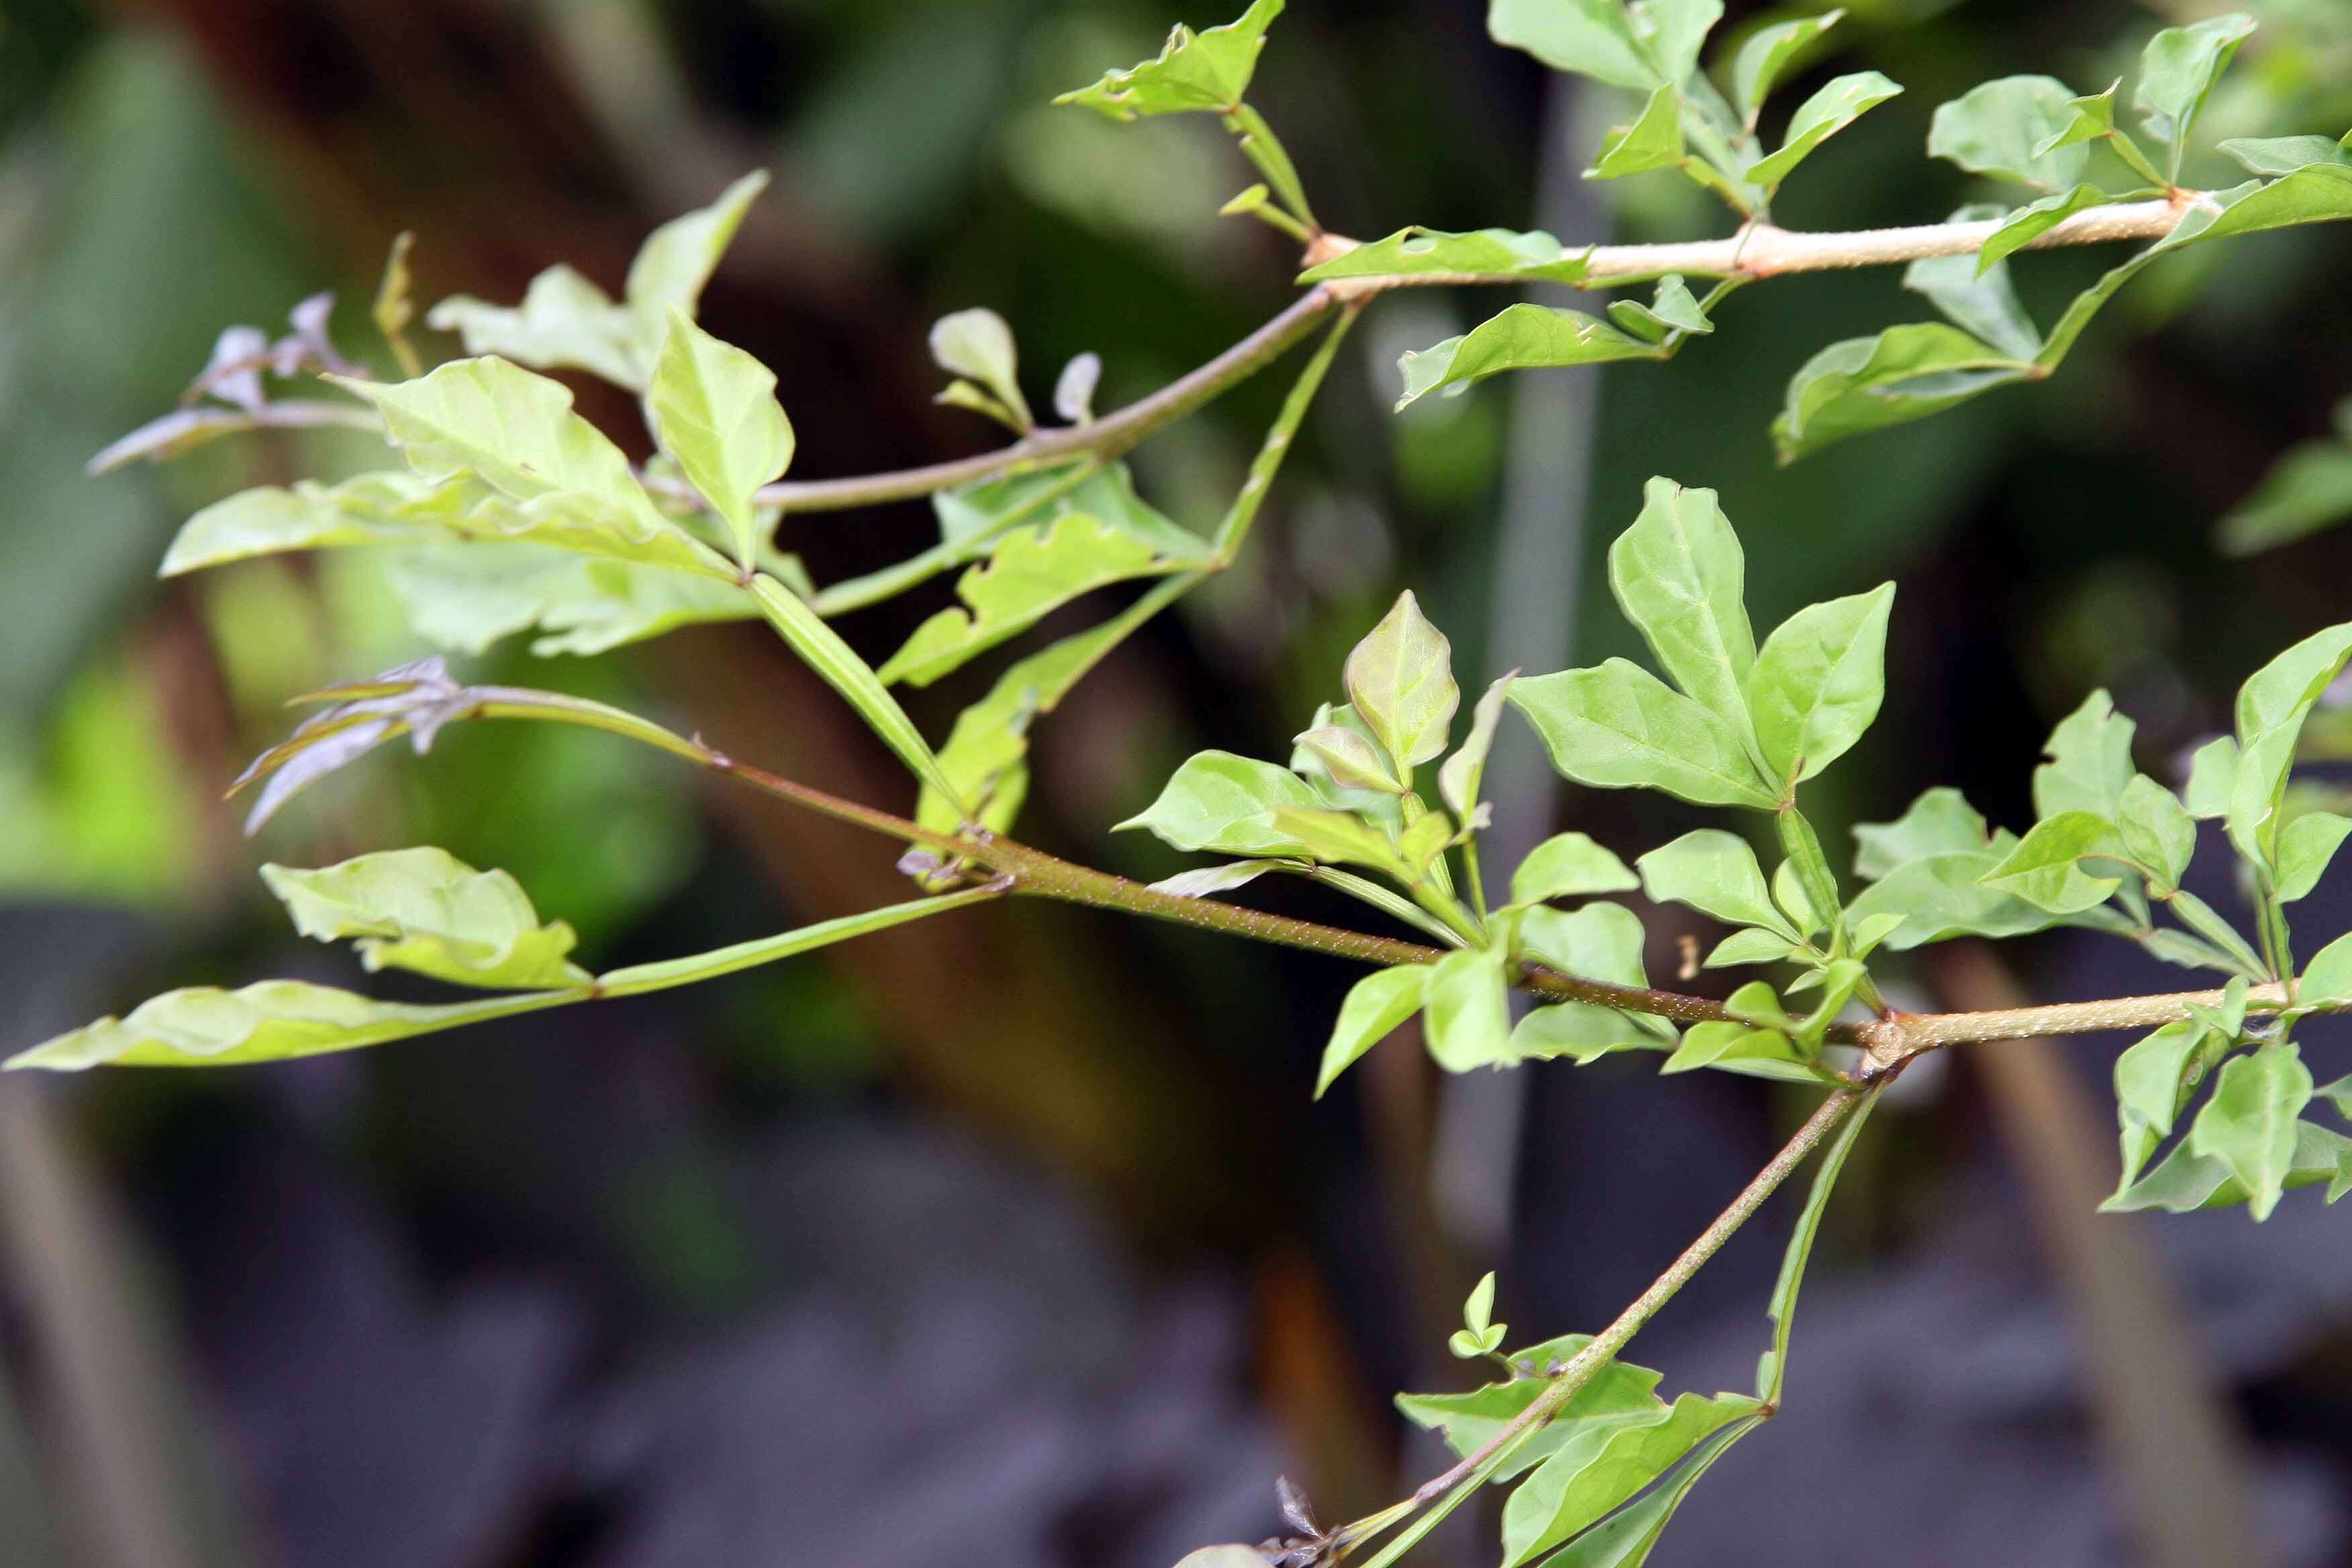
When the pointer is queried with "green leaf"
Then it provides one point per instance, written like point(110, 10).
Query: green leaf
point(1939, 821)
point(677, 258)
point(1225, 804)
point(2185, 1180)
point(1342, 837)
point(2308, 489)
point(2212, 775)
point(2045, 869)
point(660, 976)
point(1941, 895)
point(1604, 1464)
point(2176, 70)
point(516, 432)
point(566, 323)
point(2248, 1124)
point(1980, 301)
point(1195, 71)
point(1673, 32)
point(1626, 1538)
point(1788, 892)
point(1522, 337)
point(1837, 105)
point(1590, 37)
point(1772, 1367)
point(1819, 680)
point(2151, 1081)
point(1459, 778)
point(367, 509)
point(272, 1020)
point(1348, 758)
point(1906, 373)
point(1750, 947)
point(1481, 253)
point(2094, 120)
point(1996, 128)
point(1618, 726)
point(426, 910)
point(1400, 679)
point(821, 649)
point(2328, 977)
point(1618, 1392)
point(714, 410)
point(1569, 865)
point(1600, 942)
point(2090, 762)
point(1672, 309)
point(1678, 574)
point(1737, 1048)
point(2269, 155)
point(2028, 224)
point(465, 596)
point(977, 343)
point(1767, 54)
point(2156, 829)
point(1653, 141)
point(1581, 1032)
point(1032, 572)
point(2271, 710)
point(1376, 1005)
point(1715, 873)
point(1477, 1312)
point(1466, 1010)
point(2305, 845)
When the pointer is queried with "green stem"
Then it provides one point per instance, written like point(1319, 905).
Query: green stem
point(1234, 527)
point(857, 593)
point(1262, 147)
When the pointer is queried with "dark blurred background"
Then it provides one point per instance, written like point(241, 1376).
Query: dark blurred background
point(1015, 1238)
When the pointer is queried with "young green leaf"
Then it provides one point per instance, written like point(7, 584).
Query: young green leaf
point(1906, 373)
point(1569, 865)
point(466, 597)
point(425, 910)
point(677, 258)
point(2271, 706)
point(2046, 871)
point(1600, 942)
point(2029, 223)
point(1030, 572)
point(1753, 946)
point(1195, 71)
point(1999, 127)
point(1618, 726)
point(1459, 776)
point(2156, 829)
point(1477, 1316)
point(2185, 1180)
point(1679, 574)
point(714, 410)
point(2151, 1078)
point(1467, 1011)
point(1819, 680)
point(1348, 758)
point(1737, 1048)
point(2305, 847)
point(1837, 105)
point(1590, 37)
point(1376, 1005)
point(2212, 775)
point(1715, 873)
point(663, 974)
point(2273, 155)
point(564, 323)
point(1400, 679)
point(977, 343)
point(1225, 804)
point(2327, 978)
point(1769, 52)
point(1942, 896)
point(1939, 821)
point(1606, 1465)
point(1582, 1033)
point(1522, 337)
point(2177, 70)
point(1653, 141)
point(1672, 309)
point(2249, 1125)
point(2090, 762)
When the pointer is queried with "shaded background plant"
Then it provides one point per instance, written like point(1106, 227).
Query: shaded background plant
point(1996, 472)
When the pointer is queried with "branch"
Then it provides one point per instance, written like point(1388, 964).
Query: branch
point(1107, 437)
point(1763, 250)
point(1569, 1379)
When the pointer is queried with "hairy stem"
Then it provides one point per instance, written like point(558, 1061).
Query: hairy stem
point(1569, 1380)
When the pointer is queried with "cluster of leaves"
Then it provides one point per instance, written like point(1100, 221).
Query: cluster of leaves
point(2030, 131)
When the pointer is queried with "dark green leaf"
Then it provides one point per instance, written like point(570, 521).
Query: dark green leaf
point(1837, 105)
point(1906, 373)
